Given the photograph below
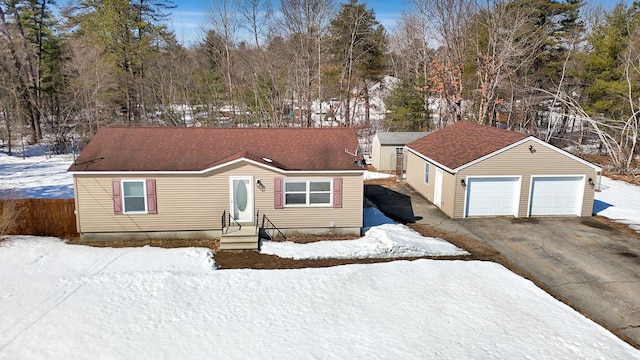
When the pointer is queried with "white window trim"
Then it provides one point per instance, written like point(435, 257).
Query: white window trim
point(144, 194)
point(426, 175)
point(307, 192)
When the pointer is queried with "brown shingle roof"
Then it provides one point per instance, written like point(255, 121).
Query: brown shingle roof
point(195, 149)
point(463, 142)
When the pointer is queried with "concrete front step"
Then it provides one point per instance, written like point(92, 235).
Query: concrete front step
point(245, 238)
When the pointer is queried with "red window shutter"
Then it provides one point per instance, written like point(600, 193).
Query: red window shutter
point(277, 193)
point(337, 192)
point(152, 205)
point(117, 196)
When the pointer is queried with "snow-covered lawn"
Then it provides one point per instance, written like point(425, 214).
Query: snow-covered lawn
point(76, 302)
point(619, 201)
point(36, 176)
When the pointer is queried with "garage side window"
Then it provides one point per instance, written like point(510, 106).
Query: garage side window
point(426, 173)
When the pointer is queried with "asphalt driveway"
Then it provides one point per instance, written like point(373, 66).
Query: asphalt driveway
point(582, 261)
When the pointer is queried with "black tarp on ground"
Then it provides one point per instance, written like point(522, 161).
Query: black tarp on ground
point(393, 204)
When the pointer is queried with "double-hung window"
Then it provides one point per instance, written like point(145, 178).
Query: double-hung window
point(134, 196)
point(307, 192)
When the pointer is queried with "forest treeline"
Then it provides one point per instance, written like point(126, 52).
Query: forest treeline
point(530, 65)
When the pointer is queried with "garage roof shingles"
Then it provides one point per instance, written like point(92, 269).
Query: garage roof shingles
point(463, 142)
point(195, 149)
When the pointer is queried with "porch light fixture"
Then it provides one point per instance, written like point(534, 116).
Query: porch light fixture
point(260, 185)
point(531, 149)
point(463, 183)
point(592, 183)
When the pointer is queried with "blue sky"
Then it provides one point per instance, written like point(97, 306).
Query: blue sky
point(189, 18)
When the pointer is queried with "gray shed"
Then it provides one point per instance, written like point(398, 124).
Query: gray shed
point(387, 150)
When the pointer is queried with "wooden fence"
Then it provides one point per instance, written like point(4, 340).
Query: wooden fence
point(43, 217)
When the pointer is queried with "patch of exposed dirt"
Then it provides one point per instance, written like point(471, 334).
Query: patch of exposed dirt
point(305, 239)
point(605, 162)
point(384, 182)
point(607, 223)
point(177, 243)
point(231, 259)
point(632, 179)
point(596, 158)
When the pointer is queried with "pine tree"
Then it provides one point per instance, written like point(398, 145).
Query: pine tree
point(128, 31)
point(407, 108)
point(359, 45)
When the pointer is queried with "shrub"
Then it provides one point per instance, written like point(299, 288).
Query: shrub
point(10, 212)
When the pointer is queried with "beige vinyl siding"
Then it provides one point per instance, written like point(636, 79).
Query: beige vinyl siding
point(415, 175)
point(383, 157)
point(388, 157)
point(520, 161)
point(196, 202)
point(448, 193)
point(415, 178)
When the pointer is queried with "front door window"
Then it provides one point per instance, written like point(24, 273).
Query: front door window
point(241, 198)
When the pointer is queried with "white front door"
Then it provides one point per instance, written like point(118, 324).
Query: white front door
point(437, 196)
point(241, 198)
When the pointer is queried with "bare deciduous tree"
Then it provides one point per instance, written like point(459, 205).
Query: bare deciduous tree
point(447, 23)
point(305, 24)
point(504, 39)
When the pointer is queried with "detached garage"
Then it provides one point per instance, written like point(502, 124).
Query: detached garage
point(471, 170)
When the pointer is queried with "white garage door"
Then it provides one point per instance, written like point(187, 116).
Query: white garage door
point(557, 195)
point(492, 196)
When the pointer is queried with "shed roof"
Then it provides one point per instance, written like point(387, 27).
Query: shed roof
point(127, 149)
point(398, 138)
point(463, 142)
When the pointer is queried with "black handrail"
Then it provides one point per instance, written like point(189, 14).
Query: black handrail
point(225, 228)
point(231, 218)
point(272, 226)
point(224, 222)
point(256, 219)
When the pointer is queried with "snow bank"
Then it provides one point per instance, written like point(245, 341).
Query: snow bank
point(384, 241)
point(372, 175)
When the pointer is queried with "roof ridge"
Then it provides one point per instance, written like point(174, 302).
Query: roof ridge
point(225, 128)
point(463, 142)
